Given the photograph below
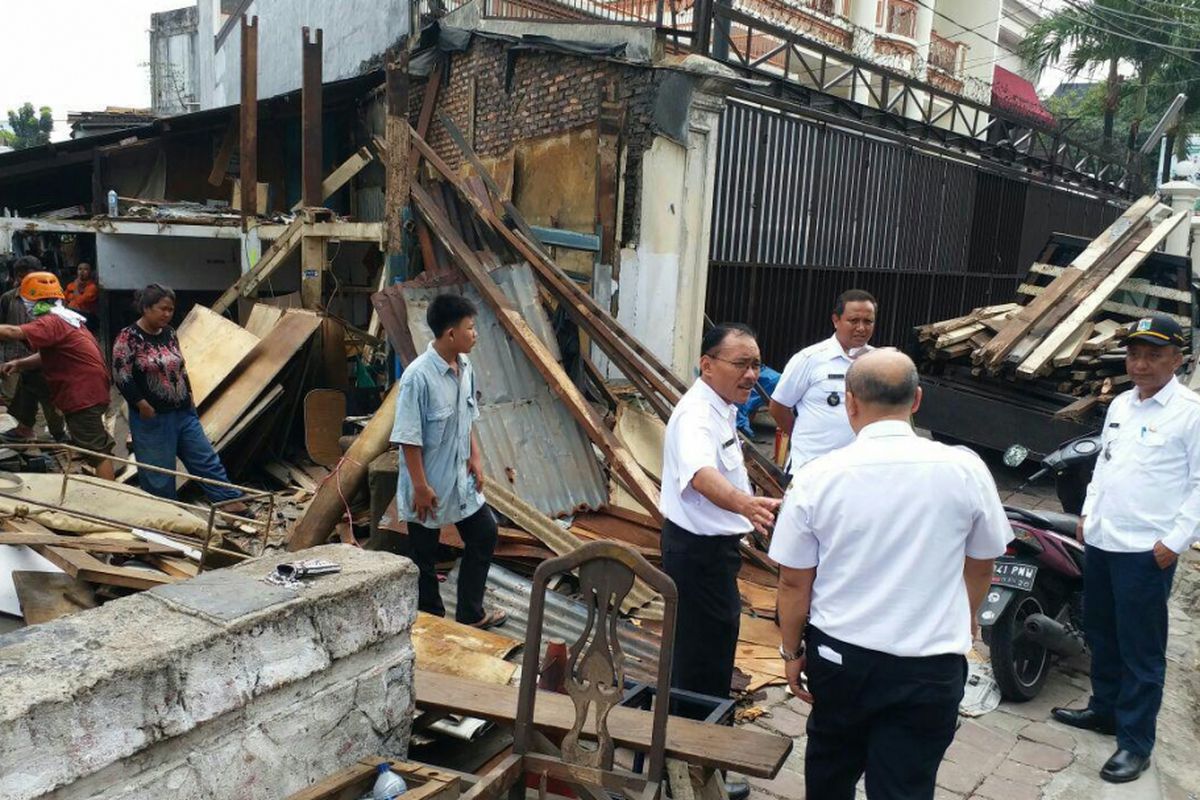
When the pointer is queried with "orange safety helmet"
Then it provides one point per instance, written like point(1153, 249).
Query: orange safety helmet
point(41, 286)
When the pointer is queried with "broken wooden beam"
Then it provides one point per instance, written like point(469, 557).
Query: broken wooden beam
point(279, 250)
point(619, 459)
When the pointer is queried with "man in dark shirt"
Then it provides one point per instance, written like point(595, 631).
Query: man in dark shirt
point(69, 357)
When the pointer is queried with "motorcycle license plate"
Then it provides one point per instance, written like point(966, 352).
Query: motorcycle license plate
point(1014, 575)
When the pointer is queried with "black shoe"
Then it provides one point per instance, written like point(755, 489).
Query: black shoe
point(737, 789)
point(1086, 719)
point(1124, 767)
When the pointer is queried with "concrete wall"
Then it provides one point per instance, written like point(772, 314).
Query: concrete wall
point(132, 262)
point(354, 31)
point(174, 70)
point(218, 687)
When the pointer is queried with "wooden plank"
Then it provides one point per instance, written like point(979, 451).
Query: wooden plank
point(453, 656)
point(258, 369)
point(262, 318)
point(1004, 341)
point(958, 335)
point(1124, 309)
point(82, 565)
point(1045, 351)
point(745, 750)
point(489, 642)
point(1011, 334)
point(1071, 348)
point(212, 346)
point(1135, 285)
point(638, 364)
point(619, 459)
point(1079, 408)
point(176, 567)
point(46, 596)
point(249, 418)
point(97, 545)
point(225, 152)
point(276, 254)
point(555, 537)
point(342, 174)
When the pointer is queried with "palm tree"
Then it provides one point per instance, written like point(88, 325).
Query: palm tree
point(1104, 34)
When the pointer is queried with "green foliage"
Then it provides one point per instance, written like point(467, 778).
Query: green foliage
point(29, 128)
point(1158, 41)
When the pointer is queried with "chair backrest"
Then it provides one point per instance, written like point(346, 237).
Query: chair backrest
point(596, 664)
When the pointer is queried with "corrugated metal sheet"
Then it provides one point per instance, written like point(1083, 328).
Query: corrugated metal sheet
point(526, 433)
point(564, 619)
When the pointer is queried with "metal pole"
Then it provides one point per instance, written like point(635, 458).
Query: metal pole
point(310, 116)
point(248, 157)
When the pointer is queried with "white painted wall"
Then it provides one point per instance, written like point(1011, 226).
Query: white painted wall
point(174, 70)
point(976, 22)
point(354, 31)
point(132, 262)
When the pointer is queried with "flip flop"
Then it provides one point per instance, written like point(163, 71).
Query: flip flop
point(491, 619)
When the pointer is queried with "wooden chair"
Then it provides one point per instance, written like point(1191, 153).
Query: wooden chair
point(595, 682)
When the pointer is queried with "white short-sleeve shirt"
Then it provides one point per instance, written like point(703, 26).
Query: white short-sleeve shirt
point(702, 432)
point(813, 385)
point(887, 522)
point(1146, 486)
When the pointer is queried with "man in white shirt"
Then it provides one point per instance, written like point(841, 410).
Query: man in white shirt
point(708, 505)
point(885, 550)
point(1142, 510)
point(807, 403)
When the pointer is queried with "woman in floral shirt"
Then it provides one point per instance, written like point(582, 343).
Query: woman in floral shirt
point(148, 370)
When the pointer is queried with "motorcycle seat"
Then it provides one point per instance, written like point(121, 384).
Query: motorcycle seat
point(1049, 520)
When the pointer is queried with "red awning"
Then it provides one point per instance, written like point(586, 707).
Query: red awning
point(1016, 96)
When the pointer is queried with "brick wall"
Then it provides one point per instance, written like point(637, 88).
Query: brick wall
point(547, 93)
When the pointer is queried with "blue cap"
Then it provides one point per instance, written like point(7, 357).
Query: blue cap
point(383, 767)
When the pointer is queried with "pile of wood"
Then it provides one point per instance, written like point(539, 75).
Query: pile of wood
point(1065, 331)
point(466, 227)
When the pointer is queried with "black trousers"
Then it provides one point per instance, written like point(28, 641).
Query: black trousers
point(888, 716)
point(705, 570)
point(478, 533)
point(1125, 619)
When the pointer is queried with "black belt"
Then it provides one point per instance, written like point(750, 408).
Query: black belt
point(693, 541)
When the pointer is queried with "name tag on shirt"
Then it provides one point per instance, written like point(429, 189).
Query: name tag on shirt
point(730, 442)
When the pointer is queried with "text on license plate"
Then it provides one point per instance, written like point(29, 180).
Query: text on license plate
point(1015, 575)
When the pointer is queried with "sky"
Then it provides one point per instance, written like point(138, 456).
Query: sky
point(76, 55)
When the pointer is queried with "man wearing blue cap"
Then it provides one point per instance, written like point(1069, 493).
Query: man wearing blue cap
point(1142, 510)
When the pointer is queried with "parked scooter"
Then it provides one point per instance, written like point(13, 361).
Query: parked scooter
point(1034, 610)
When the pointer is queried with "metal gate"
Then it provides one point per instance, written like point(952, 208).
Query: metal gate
point(804, 210)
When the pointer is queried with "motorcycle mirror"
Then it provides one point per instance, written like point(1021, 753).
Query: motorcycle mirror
point(1015, 456)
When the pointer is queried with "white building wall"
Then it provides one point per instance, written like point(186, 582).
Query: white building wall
point(354, 31)
point(976, 22)
point(174, 71)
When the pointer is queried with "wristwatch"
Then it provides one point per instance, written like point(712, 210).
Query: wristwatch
point(796, 656)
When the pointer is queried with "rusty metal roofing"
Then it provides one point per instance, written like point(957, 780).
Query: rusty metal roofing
point(527, 435)
point(564, 619)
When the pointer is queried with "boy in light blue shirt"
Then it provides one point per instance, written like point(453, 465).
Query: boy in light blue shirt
point(441, 479)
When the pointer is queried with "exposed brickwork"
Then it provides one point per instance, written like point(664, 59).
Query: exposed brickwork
point(547, 93)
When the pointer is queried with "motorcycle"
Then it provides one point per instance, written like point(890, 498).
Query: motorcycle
point(1033, 612)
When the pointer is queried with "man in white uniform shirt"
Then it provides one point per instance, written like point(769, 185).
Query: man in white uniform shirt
point(1142, 510)
point(885, 550)
point(807, 403)
point(708, 505)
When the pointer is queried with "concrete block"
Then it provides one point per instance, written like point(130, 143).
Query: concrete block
point(220, 686)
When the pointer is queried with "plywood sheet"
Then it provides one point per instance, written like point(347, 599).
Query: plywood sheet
point(493, 644)
point(262, 319)
point(643, 434)
point(450, 657)
point(324, 412)
point(260, 367)
point(46, 596)
point(212, 346)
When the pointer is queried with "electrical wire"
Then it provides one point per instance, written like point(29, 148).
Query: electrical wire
point(1128, 35)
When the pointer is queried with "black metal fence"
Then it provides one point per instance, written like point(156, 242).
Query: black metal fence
point(804, 210)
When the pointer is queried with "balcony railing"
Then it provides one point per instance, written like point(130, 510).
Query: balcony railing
point(897, 17)
point(947, 55)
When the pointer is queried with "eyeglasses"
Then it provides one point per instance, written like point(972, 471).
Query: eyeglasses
point(741, 364)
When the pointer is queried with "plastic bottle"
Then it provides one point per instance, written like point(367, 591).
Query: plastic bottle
point(388, 785)
point(112, 203)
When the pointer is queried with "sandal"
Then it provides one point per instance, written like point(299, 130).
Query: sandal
point(491, 619)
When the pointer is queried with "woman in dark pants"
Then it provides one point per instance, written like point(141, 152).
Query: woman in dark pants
point(148, 370)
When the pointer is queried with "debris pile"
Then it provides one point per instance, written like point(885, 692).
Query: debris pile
point(1065, 337)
